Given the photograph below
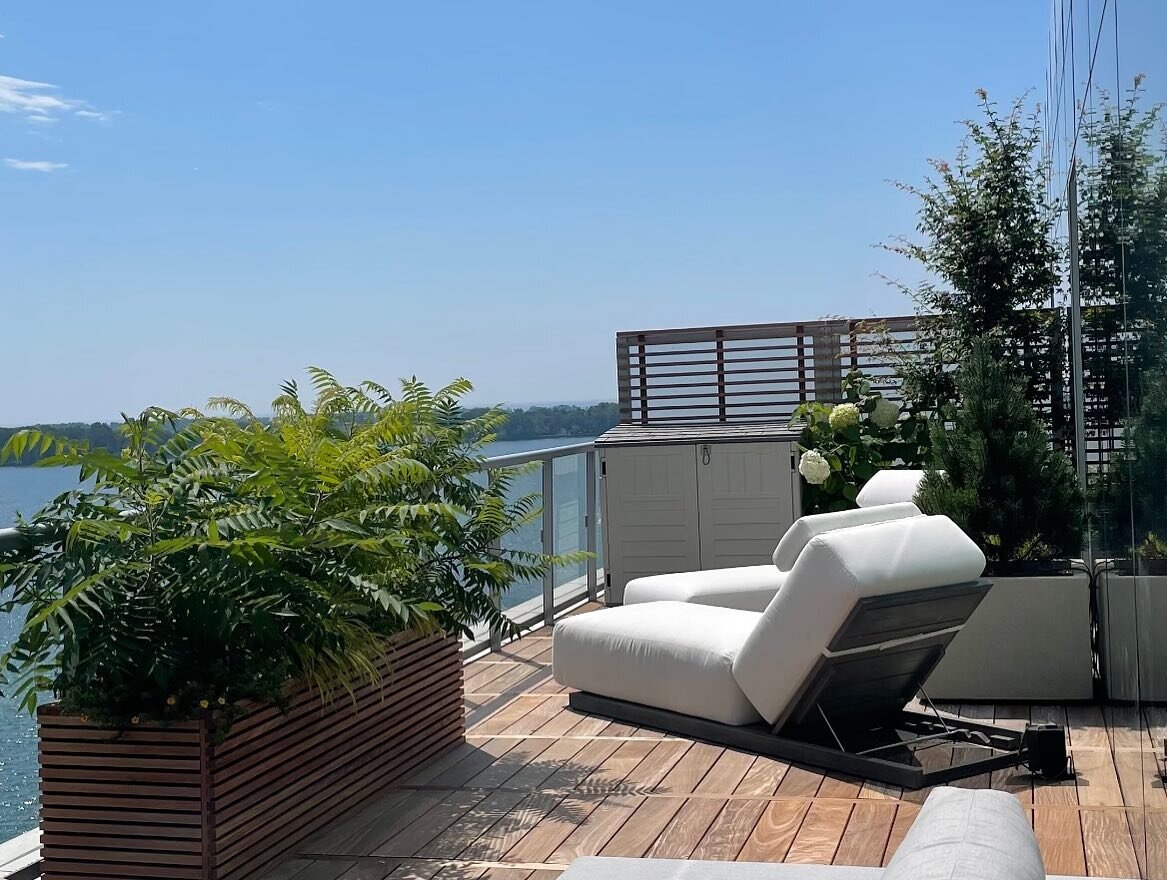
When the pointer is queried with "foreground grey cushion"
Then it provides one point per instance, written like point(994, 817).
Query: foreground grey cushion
point(968, 835)
point(593, 868)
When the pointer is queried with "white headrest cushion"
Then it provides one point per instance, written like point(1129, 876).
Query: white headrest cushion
point(799, 534)
point(889, 487)
point(834, 572)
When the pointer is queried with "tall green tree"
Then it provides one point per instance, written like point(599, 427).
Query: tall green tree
point(984, 222)
point(1122, 230)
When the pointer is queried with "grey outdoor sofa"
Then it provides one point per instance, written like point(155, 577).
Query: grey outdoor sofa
point(960, 834)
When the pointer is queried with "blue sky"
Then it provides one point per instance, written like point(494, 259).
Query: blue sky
point(236, 190)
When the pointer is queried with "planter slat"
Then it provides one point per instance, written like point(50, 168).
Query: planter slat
point(238, 780)
point(74, 869)
point(251, 802)
point(163, 801)
point(308, 729)
point(295, 800)
point(122, 811)
point(302, 704)
point(71, 747)
point(245, 866)
point(82, 849)
point(100, 791)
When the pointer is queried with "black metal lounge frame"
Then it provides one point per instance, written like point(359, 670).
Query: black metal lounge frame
point(850, 715)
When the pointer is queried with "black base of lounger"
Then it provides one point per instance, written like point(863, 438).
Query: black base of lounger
point(896, 765)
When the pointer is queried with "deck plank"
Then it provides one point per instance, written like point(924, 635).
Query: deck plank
point(865, 838)
point(686, 829)
point(818, 839)
point(729, 831)
point(1110, 851)
point(906, 814)
point(776, 828)
point(591, 835)
point(763, 777)
point(643, 827)
point(540, 842)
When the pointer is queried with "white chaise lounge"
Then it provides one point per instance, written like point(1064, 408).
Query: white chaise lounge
point(751, 587)
point(825, 672)
point(959, 835)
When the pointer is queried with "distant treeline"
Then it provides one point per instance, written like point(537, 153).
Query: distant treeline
point(534, 423)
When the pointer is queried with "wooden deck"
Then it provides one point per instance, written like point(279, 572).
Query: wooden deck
point(537, 785)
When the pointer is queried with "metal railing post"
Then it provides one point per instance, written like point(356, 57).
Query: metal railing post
point(590, 522)
point(549, 539)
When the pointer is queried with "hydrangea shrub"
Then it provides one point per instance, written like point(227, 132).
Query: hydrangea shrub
point(844, 444)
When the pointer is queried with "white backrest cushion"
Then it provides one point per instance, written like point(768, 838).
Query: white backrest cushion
point(835, 571)
point(889, 487)
point(962, 834)
point(807, 527)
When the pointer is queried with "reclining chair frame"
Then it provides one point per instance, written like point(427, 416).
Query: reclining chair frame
point(850, 715)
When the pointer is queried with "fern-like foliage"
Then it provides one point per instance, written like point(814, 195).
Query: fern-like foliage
point(221, 555)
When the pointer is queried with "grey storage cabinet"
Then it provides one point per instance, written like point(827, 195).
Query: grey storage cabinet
point(687, 499)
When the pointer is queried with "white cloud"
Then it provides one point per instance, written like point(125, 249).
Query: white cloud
point(31, 98)
point(38, 165)
point(95, 115)
point(39, 101)
point(40, 119)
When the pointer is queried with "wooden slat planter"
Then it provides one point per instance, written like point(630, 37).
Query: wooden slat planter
point(167, 802)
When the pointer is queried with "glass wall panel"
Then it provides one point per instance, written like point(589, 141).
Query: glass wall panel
point(1108, 147)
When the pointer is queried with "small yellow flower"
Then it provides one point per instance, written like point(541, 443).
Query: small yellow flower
point(222, 701)
point(204, 703)
point(170, 701)
point(135, 720)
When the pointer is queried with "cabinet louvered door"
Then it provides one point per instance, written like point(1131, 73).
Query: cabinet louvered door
point(746, 501)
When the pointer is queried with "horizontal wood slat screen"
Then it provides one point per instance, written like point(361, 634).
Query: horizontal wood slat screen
point(166, 802)
point(751, 373)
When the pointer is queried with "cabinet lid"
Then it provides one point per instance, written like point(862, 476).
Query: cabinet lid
point(637, 435)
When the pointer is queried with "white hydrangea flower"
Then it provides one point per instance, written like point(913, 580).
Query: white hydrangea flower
point(844, 416)
point(885, 414)
point(814, 468)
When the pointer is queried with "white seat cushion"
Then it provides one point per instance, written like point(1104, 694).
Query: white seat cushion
point(746, 588)
point(665, 654)
point(805, 528)
point(889, 487)
point(832, 574)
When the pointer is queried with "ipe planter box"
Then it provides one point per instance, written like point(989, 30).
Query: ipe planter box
point(166, 801)
point(1028, 640)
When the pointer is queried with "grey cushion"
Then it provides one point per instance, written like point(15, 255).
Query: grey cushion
point(592, 868)
point(968, 835)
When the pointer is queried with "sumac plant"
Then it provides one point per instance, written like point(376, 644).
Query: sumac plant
point(219, 556)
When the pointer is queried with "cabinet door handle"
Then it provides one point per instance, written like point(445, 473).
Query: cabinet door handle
point(704, 455)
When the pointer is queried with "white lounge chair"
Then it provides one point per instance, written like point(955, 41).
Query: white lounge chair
point(822, 676)
point(751, 587)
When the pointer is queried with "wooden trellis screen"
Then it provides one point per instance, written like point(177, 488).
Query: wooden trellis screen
point(761, 372)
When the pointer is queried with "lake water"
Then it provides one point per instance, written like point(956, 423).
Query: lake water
point(24, 490)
